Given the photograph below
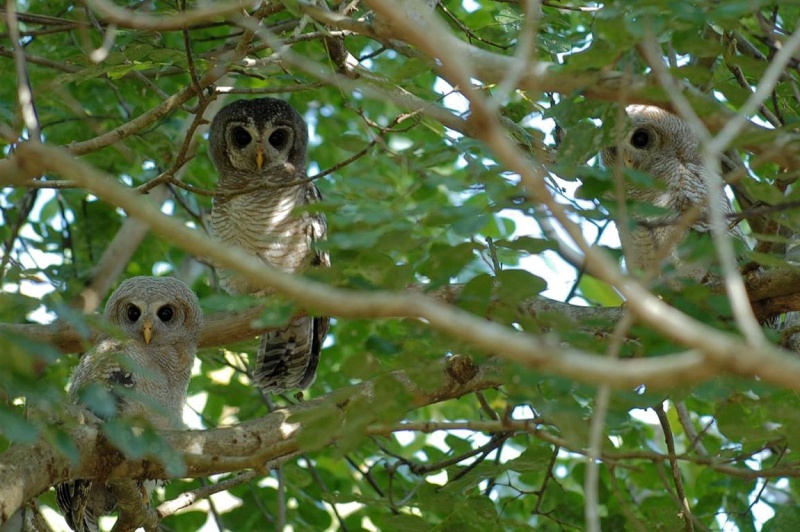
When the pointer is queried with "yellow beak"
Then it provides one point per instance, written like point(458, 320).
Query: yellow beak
point(147, 330)
point(259, 157)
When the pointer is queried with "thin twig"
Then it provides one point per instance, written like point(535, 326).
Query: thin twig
point(591, 481)
point(712, 149)
point(688, 518)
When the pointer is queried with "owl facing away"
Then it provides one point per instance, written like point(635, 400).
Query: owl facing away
point(259, 150)
point(145, 369)
point(665, 147)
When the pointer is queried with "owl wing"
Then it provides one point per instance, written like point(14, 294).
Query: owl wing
point(288, 358)
point(82, 501)
point(105, 365)
point(317, 228)
point(319, 232)
point(696, 193)
point(73, 499)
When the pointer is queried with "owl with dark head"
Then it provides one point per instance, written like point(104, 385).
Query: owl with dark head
point(259, 150)
point(145, 365)
point(665, 147)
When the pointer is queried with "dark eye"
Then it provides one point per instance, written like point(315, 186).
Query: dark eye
point(278, 138)
point(640, 139)
point(241, 137)
point(133, 313)
point(165, 313)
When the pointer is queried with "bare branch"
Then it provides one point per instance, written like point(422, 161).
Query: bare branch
point(225, 328)
point(126, 18)
point(27, 470)
point(24, 89)
point(713, 351)
point(188, 498)
point(669, 438)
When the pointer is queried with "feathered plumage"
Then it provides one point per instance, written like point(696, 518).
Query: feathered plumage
point(664, 146)
point(146, 371)
point(259, 146)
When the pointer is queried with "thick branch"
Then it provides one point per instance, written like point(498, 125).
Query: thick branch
point(27, 470)
point(492, 68)
point(225, 328)
point(780, 282)
point(714, 351)
point(771, 292)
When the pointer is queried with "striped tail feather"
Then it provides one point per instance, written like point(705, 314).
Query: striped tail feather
point(287, 358)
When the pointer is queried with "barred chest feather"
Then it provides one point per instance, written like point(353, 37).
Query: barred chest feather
point(264, 224)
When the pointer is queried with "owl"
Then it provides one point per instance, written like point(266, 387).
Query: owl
point(145, 369)
point(259, 150)
point(665, 147)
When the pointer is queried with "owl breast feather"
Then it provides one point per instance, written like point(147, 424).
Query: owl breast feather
point(264, 225)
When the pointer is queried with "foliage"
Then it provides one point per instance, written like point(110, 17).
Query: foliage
point(415, 199)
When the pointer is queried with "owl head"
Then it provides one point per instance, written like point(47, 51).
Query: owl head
point(658, 143)
point(262, 138)
point(156, 311)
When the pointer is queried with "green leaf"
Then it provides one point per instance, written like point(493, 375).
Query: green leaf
point(529, 244)
point(351, 142)
point(99, 400)
point(292, 6)
point(445, 262)
point(476, 296)
point(535, 459)
point(599, 292)
point(519, 285)
point(404, 522)
point(277, 313)
point(187, 521)
point(784, 520)
point(16, 428)
point(63, 442)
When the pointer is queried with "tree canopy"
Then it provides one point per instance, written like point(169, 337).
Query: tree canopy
point(482, 371)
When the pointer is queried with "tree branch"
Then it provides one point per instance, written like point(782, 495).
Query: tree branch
point(771, 292)
point(127, 18)
point(493, 68)
point(27, 470)
point(723, 350)
point(712, 352)
point(229, 327)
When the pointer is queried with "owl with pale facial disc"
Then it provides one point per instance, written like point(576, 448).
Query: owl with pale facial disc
point(259, 150)
point(144, 365)
point(664, 146)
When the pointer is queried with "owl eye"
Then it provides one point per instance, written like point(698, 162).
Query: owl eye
point(133, 313)
point(241, 137)
point(278, 138)
point(640, 139)
point(165, 313)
